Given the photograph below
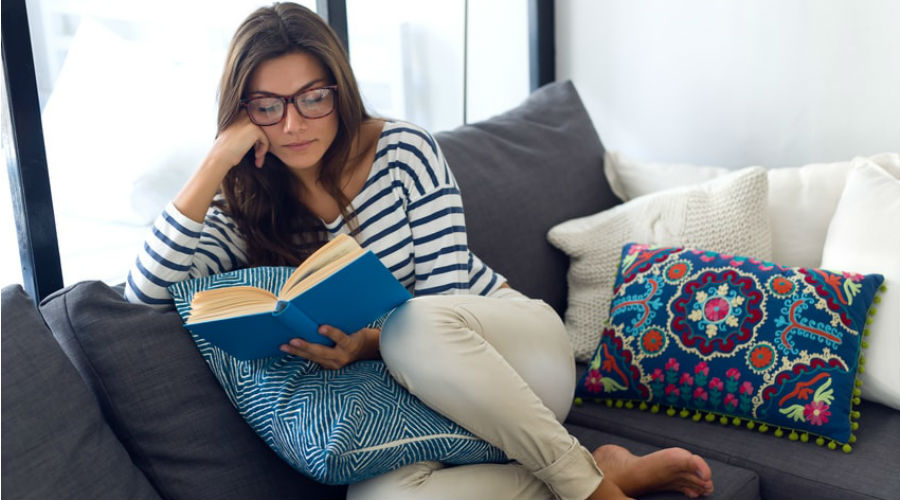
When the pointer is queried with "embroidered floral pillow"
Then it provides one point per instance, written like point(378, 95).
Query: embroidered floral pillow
point(735, 339)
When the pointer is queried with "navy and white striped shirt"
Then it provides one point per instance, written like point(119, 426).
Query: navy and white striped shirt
point(409, 213)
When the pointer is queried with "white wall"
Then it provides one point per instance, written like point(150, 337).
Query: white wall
point(729, 83)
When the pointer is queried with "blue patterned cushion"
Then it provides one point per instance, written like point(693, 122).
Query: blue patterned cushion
point(336, 426)
point(736, 340)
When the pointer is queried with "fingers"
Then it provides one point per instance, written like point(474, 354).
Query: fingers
point(260, 149)
point(330, 358)
point(241, 137)
point(334, 334)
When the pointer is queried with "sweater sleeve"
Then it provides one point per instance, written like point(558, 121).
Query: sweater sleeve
point(443, 261)
point(178, 248)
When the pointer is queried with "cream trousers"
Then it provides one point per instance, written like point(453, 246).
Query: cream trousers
point(500, 366)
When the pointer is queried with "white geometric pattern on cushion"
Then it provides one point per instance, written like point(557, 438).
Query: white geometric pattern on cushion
point(801, 203)
point(336, 426)
point(864, 237)
point(726, 215)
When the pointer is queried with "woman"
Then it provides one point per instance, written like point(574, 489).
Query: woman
point(297, 160)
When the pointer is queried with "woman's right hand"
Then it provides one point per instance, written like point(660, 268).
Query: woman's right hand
point(233, 143)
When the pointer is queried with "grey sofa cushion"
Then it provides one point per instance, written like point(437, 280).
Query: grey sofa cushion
point(787, 469)
point(729, 482)
point(55, 441)
point(163, 403)
point(523, 172)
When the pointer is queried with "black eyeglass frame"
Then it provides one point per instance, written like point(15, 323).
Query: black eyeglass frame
point(291, 99)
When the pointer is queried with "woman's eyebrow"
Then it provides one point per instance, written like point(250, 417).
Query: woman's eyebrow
point(301, 89)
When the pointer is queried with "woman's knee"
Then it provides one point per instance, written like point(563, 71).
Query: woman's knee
point(408, 335)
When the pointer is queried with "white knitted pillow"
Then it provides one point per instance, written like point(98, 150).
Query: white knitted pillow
point(726, 215)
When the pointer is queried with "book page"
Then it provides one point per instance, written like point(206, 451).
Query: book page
point(232, 301)
point(320, 274)
point(338, 248)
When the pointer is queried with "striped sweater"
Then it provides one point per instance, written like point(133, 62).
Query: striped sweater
point(409, 213)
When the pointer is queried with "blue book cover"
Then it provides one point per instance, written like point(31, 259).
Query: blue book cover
point(350, 296)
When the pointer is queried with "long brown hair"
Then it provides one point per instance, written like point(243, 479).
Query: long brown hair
point(264, 204)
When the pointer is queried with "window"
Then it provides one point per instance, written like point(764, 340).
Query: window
point(110, 75)
point(441, 63)
point(11, 270)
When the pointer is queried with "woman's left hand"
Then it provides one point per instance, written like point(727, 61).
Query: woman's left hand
point(347, 348)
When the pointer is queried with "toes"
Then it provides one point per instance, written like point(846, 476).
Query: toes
point(702, 468)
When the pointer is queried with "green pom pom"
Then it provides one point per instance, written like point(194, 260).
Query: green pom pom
point(854, 425)
point(643, 406)
point(857, 392)
point(736, 421)
point(858, 383)
point(877, 299)
point(629, 405)
point(854, 414)
point(684, 413)
point(865, 344)
point(804, 437)
point(670, 412)
point(779, 432)
point(832, 445)
point(710, 417)
point(609, 403)
point(862, 360)
point(654, 409)
point(723, 420)
point(820, 441)
point(579, 401)
point(868, 322)
point(794, 436)
point(882, 288)
point(619, 403)
point(852, 438)
point(751, 424)
point(763, 428)
point(856, 401)
point(697, 416)
point(873, 310)
point(862, 369)
point(846, 448)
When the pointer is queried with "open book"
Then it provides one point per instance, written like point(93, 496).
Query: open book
point(340, 285)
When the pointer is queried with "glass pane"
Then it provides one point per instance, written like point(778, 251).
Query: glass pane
point(11, 270)
point(497, 75)
point(128, 92)
point(407, 56)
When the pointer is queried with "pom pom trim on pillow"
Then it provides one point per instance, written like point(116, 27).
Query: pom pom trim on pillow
point(724, 338)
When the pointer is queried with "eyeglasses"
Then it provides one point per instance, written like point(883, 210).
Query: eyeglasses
point(270, 109)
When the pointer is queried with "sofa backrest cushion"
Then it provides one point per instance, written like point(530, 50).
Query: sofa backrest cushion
point(162, 401)
point(523, 172)
point(55, 441)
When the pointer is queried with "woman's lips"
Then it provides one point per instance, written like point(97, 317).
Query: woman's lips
point(299, 146)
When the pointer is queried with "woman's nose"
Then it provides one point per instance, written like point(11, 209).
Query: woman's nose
point(293, 121)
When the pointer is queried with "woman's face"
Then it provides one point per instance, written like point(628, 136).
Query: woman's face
point(297, 141)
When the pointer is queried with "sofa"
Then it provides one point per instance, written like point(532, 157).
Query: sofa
point(106, 399)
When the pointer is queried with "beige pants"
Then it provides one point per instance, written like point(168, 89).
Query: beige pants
point(501, 367)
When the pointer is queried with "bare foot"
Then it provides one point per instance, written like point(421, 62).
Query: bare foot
point(671, 469)
point(608, 490)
